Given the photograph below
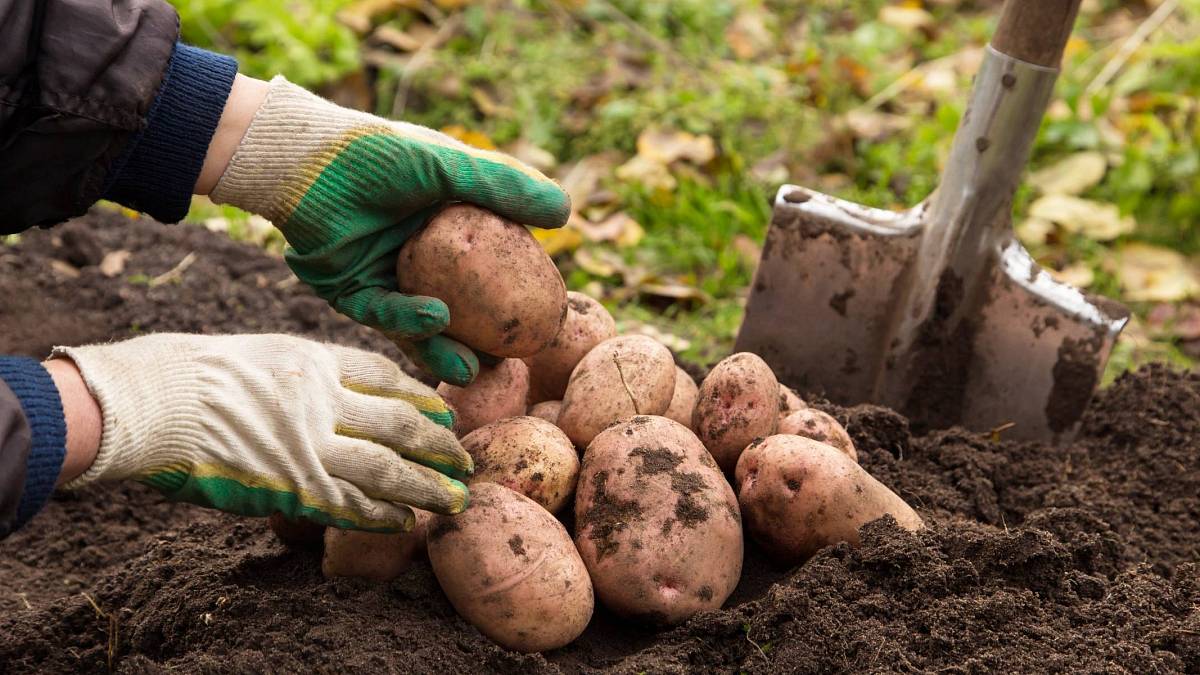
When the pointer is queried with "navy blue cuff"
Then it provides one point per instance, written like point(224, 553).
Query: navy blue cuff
point(157, 171)
point(39, 399)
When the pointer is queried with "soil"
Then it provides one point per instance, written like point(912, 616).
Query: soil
point(1037, 558)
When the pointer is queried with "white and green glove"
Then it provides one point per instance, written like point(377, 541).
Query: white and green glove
point(347, 189)
point(258, 424)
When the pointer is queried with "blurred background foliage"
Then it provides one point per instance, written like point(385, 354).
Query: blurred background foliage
point(673, 123)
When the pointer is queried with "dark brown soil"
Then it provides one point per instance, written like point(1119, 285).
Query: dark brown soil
point(1037, 558)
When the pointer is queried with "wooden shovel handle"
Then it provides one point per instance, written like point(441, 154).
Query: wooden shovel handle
point(1036, 31)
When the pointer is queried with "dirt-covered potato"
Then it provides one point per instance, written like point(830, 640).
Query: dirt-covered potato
point(737, 403)
point(587, 325)
point(656, 522)
point(372, 555)
point(799, 496)
point(820, 427)
point(510, 569)
point(504, 293)
point(498, 392)
point(299, 532)
point(526, 454)
point(547, 410)
point(789, 401)
point(621, 377)
point(683, 400)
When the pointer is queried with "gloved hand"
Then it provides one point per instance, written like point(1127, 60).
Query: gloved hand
point(254, 424)
point(347, 189)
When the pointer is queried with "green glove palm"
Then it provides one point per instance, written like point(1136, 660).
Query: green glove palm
point(347, 189)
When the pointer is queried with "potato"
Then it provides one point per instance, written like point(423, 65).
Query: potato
point(547, 410)
point(498, 392)
point(799, 496)
point(373, 555)
point(683, 400)
point(789, 401)
point(621, 377)
point(587, 325)
point(526, 454)
point(820, 427)
point(510, 569)
point(656, 522)
point(737, 403)
point(504, 293)
point(299, 532)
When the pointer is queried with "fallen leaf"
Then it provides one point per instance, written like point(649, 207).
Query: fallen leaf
point(619, 228)
point(1034, 231)
point(560, 240)
point(582, 178)
point(113, 263)
point(1155, 274)
point(874, 126)
point(488, 105)
point(526, 151)
point(666, 146)
point(397, 39)
point(66, 269)
point(669, 340)
point(1072, 175)
point(1078, 275)
point(359, 16)
point(471, 137)
point(674, 290)
point(906, 17)
point(1097, 220)
point(652, 174)
point(599, 263)
point(218, 224)
point(748, 35)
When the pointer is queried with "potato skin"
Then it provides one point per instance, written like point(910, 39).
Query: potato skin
point(526, 454)
point(510, 569)
point(683, 400)
point(587, 325)
point(737, 403)
point(372, 555)
point(820, 427)
point(789, 401)
point(498, 392)
point(547, 410)
point(621, 377)
point(799, 496)
point(656, 522)
point(504, 293)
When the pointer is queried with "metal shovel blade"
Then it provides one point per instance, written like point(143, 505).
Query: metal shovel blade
point(937, 311)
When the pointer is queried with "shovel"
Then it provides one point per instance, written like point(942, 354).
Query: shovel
point(938, 311)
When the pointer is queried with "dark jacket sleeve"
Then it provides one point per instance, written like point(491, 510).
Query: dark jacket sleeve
point(33, 440)
point(98, 100)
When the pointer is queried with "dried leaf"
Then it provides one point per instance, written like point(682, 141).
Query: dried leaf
point(531, 154)
point(670, 340)
point(748, 35)
point(618, 228)
point(1079, 275)
point(1097, 220)
point(581, 179)
point(1072, 175)
point(652, 174)
point(469, 136)
point(599, 263)
point(65, 269)
point(1155, 274)
point(359, 16)
point(873, 126)
point(666, 146)
point(113, 263)
point(1034, 231)
point(906, 17)
point(397, 39)
point(674, 290)
point(559, 240)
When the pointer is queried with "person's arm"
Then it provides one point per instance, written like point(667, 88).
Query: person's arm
point(81, 413)
point(32, 439)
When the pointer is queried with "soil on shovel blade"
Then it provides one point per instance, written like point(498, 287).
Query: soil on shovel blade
point(1036, 559)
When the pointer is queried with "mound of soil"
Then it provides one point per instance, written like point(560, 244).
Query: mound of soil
point(1036, 559)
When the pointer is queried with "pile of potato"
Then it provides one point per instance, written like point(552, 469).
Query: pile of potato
point(580, 417)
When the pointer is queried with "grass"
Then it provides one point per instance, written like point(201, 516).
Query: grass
point(580, 77)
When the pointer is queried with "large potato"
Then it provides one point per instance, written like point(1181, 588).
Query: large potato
point(587, 325)
point(683, 400)
point(820, 427)
point(373, 555)
point(511, 570)
point(737, 403)
point(547, 410)
point(504, 293)
point(498, 392)
point(656, 522)
point(526, 454)
point(621, 377)
point(301, 532)
point(799, 496)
